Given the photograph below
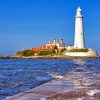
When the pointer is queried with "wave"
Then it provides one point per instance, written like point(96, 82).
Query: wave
point(56, 75)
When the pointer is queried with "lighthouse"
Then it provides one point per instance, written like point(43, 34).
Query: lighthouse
point(79, 31)
point(79, 40)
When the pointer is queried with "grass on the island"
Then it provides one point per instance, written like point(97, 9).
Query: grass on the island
point(79, 50)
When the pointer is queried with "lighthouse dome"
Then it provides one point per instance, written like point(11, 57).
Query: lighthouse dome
point(79, 9)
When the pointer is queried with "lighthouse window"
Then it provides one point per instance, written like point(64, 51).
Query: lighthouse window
point(81, 33)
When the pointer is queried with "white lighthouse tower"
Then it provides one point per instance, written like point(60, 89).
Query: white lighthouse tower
point(79, 40)
point(79, 31)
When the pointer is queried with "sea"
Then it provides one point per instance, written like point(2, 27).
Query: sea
point(18, 75)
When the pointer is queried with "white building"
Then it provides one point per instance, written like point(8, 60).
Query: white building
point(69, 47)
point(59, 43)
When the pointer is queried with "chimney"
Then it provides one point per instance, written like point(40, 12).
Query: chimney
point(61, 41)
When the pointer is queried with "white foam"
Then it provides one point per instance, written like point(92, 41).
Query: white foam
point(56, 76)
point(43, 99)
point(92, 92)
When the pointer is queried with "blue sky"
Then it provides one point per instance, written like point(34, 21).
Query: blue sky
point(30, 23)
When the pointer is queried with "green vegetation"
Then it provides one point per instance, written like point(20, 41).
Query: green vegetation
point(62, 50)
point(25, 53)
point(18, 53)
point(32, 53)
point(79, 50)
point(46, 52)
point(28, 53)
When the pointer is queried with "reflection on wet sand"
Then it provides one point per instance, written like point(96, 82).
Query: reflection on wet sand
point(79, 61)
point(80, 98)
point(86, 84)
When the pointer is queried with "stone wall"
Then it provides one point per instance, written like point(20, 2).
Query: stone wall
point(88, 54)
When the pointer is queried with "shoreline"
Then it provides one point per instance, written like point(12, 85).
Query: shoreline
point(49, 57)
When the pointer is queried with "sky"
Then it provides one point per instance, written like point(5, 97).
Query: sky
point(31, 23)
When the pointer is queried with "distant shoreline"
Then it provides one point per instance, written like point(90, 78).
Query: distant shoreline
point(48, 57)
